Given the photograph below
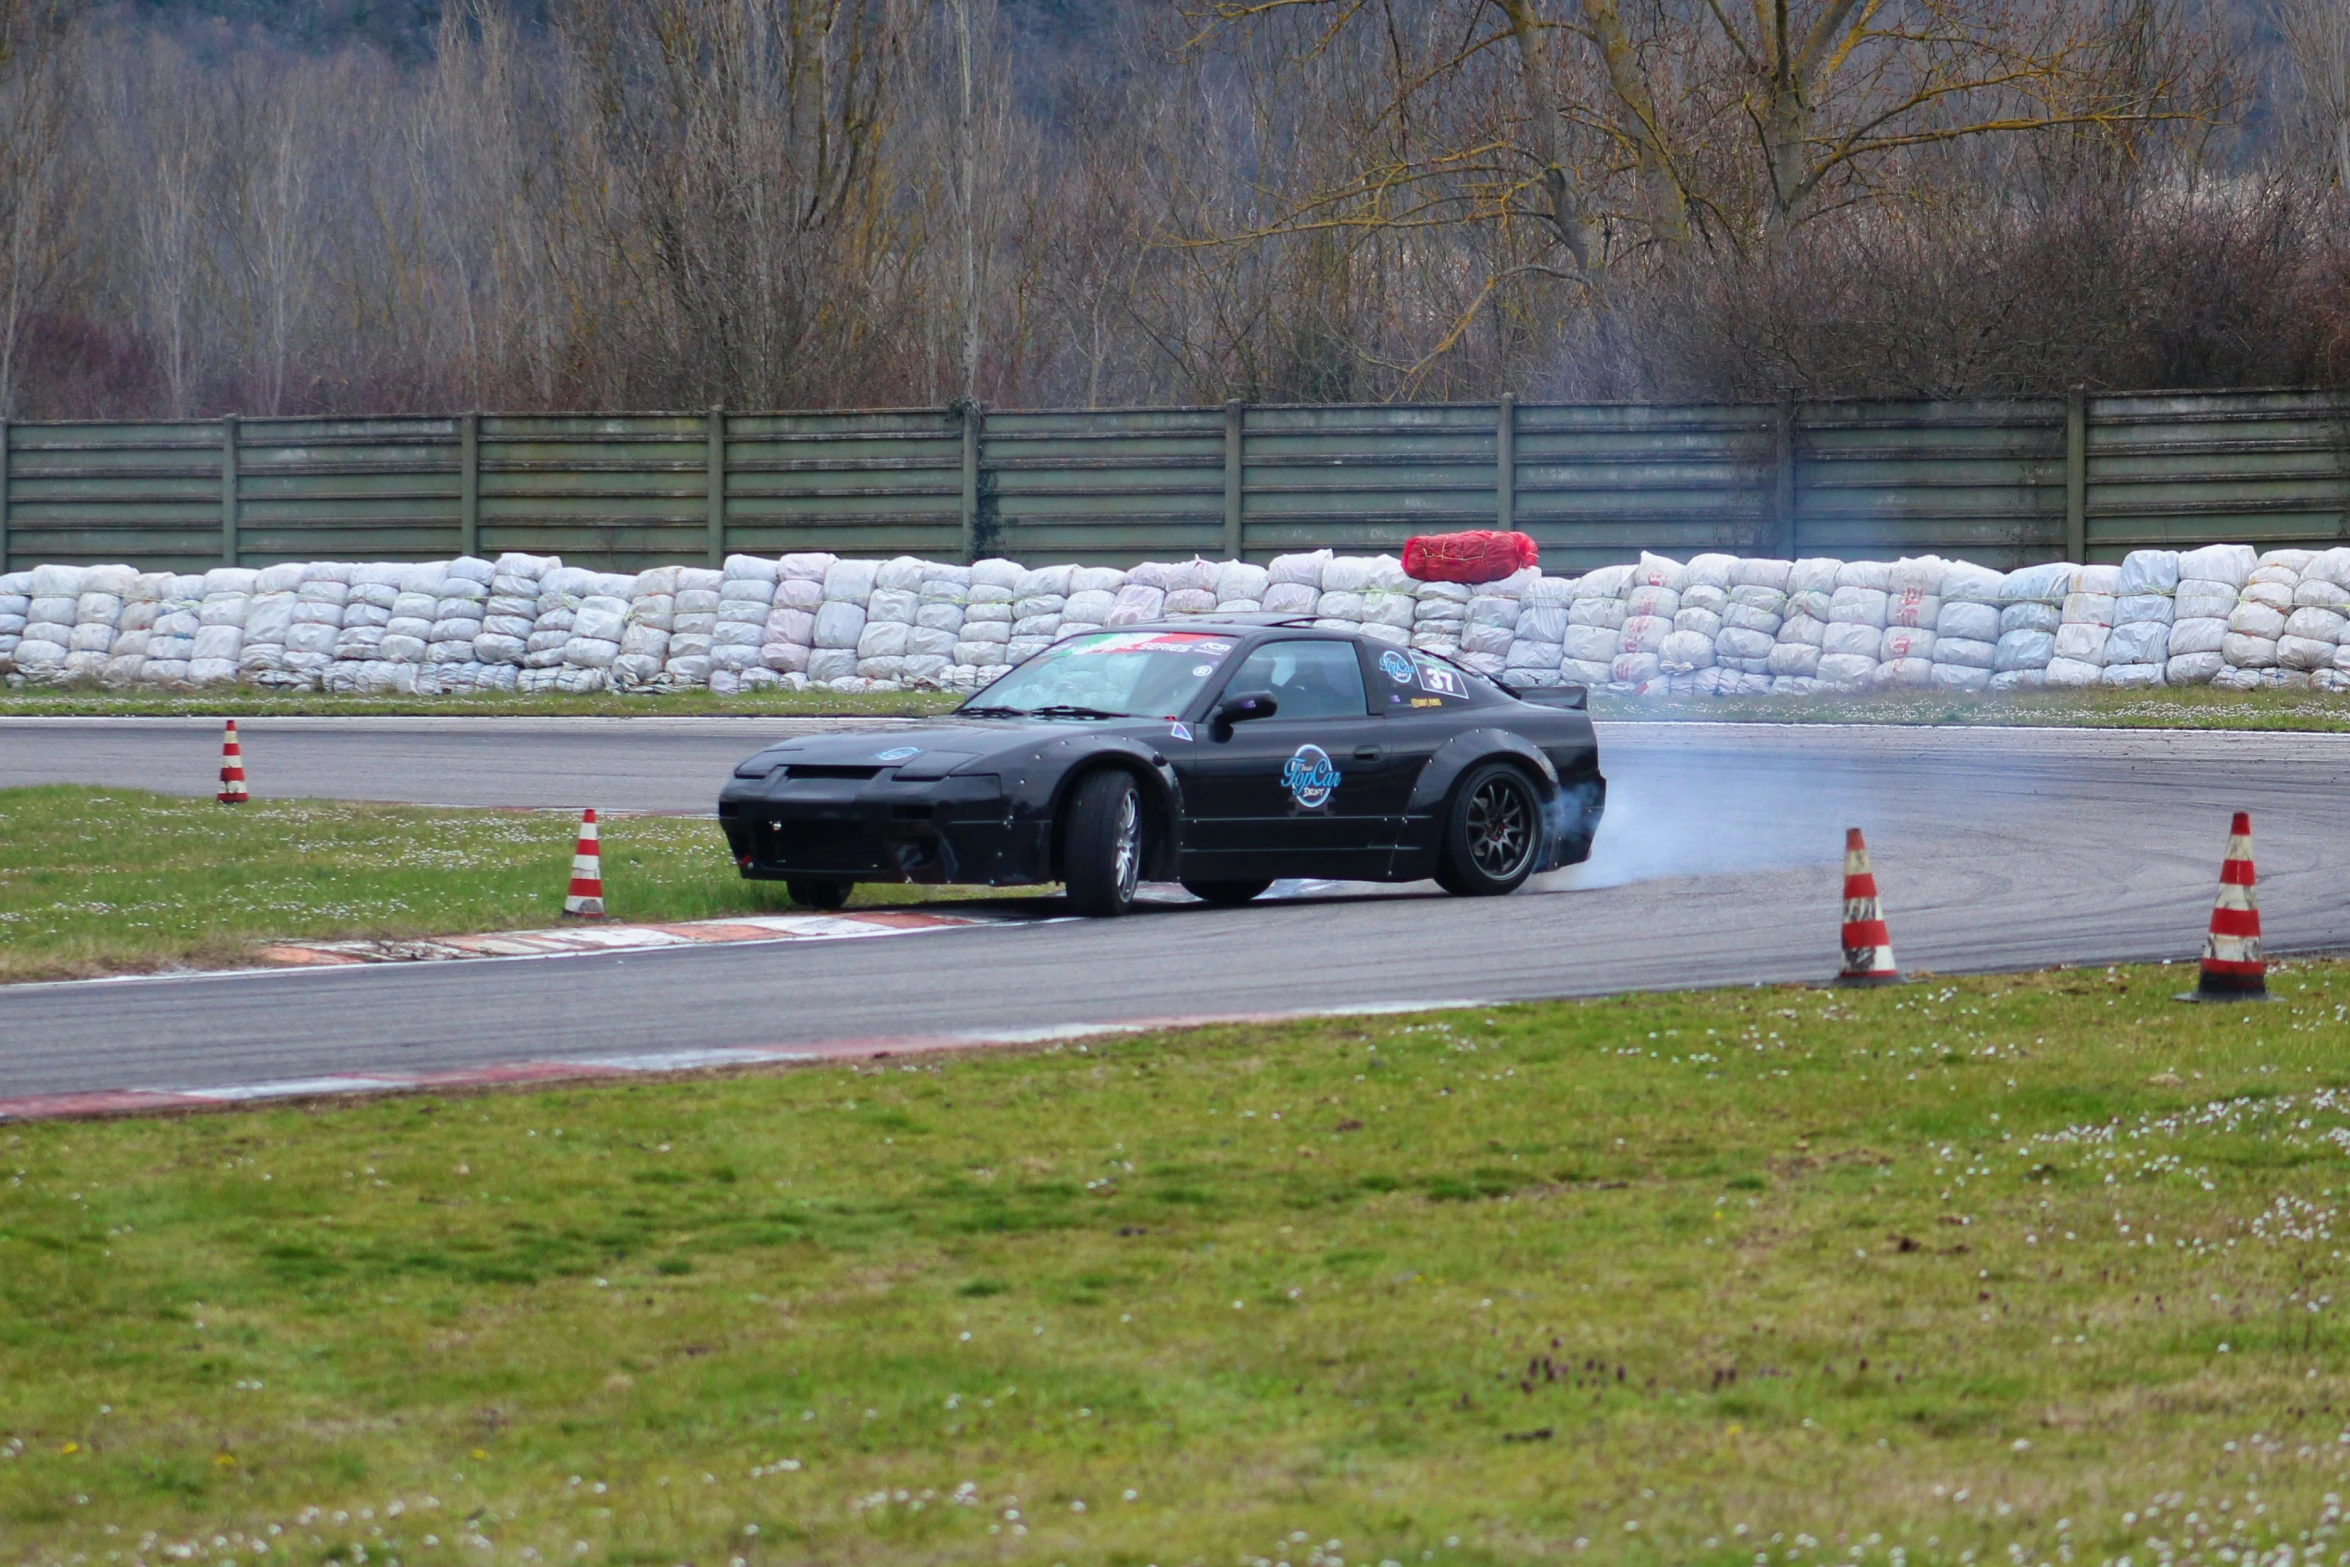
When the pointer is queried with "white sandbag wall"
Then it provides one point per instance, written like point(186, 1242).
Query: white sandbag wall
point(2224, 615)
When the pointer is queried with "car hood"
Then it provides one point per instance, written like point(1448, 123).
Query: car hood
point(946, 746)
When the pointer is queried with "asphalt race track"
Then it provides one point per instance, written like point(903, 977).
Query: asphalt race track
point(1718, 864)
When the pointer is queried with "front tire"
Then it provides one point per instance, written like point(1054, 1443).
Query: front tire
point(821, 893)
point(1492, 833)
point(1101, 855)
point(1227, 894)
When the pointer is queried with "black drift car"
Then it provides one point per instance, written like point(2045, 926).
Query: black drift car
point(1219, 752)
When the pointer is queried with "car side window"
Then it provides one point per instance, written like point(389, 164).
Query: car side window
point(1416, 682)
point(1308, 679)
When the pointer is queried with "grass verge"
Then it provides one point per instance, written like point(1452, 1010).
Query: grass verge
point(2029, 1267)
point(108, 881)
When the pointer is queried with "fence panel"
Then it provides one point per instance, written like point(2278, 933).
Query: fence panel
point(2004, 481)
point(2185, 469)
point(1598, 485)
point(1984, 480)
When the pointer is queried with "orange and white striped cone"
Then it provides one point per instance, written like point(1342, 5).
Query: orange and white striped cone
point(586, 898)
point(1868, 946)
point(2233, 969)
point(232, 769)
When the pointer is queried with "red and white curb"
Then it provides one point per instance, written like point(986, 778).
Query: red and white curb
point(572, 940)
point(147, 1101)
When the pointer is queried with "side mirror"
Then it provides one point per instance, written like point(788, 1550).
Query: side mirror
point(1241, 709)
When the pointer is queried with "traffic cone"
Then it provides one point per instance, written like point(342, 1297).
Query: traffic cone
point(232, 769)
point(586, 899)
point(2233, 969)
point(1868, 947)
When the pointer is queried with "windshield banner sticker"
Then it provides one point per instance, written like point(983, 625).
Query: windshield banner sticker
point(1310, 777)
point(901, 753)
point(1200, 643)
point(1441, 679)
point(1396, 667)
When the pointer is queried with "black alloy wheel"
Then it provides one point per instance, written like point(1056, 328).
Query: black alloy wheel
point(1227, 894)
point(1492, 834)
point(1101, 857)
point(822, 893)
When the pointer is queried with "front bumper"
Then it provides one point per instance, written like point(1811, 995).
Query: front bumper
point(954, 829)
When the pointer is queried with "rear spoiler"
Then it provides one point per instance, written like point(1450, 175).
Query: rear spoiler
point(1573, 698)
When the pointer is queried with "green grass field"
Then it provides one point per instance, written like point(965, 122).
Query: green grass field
point(101, 881)
point(2033, 1268)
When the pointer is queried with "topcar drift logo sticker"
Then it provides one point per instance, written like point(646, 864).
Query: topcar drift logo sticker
point(1310, 777)
point(902, 753)
point(1396, 667)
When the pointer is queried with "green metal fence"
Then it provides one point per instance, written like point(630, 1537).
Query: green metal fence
point(2001, 481)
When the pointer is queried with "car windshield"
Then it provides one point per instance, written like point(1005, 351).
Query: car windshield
point(1108, 674)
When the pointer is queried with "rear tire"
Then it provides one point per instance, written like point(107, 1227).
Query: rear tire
point(1492, 833)
point(1227, 894)
point(1101, 852)
point(822, 893)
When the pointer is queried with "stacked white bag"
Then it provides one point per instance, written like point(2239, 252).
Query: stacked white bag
point(512, 612)
point(790, 636)
point(53, 603)
point(269, 620)
point(2138, 651)
point(457, 614)
point(1966, 631)
point(644, 638)
point(1537, 643)
point(1652, 597)
point(983, 646)
point(554, 613)
point(416, 608)
point(2209, 581)
point(2320, 621)
point(2031, 609)
point(1440, 616)
point(360, 659)
point(942, 602)
point(1092, 595)
point(2084, 626)
point(1293, 583)
point(1853, 641)
point(1803, 628)
point(1756, 605)
point(1240, 588)
point(597, 626)
point(746, 597)
point(1913, 608)
point(1491, 623)
point(888, 636)
point(693, 628)
point(1697, 617)
point(220, 628)
point(142, 606)
point(16, 598)
point(1595, 621)
point(1388, 604)
point(840, 619)
point(1039, 599)
point(2256, 627)
point(172, 640)
point(97, 608)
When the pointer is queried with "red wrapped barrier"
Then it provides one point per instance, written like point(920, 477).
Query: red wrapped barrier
point(1482, 555)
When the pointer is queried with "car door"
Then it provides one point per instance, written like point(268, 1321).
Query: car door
point(1287, 795)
